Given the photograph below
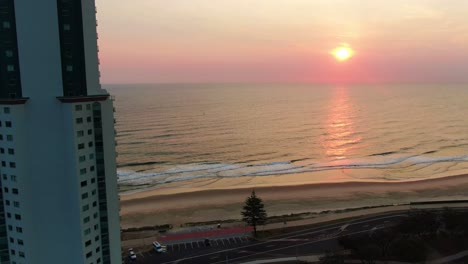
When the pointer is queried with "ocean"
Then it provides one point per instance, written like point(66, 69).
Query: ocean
point(170, 133)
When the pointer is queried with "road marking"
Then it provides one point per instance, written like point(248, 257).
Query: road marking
point(291, 240)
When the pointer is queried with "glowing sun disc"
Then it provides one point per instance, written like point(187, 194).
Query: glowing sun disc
point(342, 53)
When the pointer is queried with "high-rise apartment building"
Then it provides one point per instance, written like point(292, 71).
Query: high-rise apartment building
point(58, 186)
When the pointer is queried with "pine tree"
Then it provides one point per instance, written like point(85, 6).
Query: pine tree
point(253, 211)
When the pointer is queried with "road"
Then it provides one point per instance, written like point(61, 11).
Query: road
point(315, 240)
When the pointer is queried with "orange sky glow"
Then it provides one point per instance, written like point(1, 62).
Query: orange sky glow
point(149, 41)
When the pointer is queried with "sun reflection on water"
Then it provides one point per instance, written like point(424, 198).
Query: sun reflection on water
point(340, 137)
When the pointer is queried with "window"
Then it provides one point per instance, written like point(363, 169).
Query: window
point(4, 177)
point(85, 208)
point(17, 217)
point(88, 119)
point(96, 227)
point(10, 68)
point(94, 204)
point(80, 133)
point(66, 27)
point(95, 215)
point(90, 131)
point(89, 254)
point(78, 107)
point(1, 136)
point(16, 204)
point(81, 146)
point(12, 251)
point(79, 120)
point(86, 219)
point(98, 260)
point(90, 144)
point(2, 150)
point(9, 138)
point(91, 156)
point(87, 243)
point(69, 68)
point(84, 183)
point(10, 228)
point(14, 191)
point(19, 229)
point(98, 249)
point(11, 151)
point(93, 192)
point(8, 215)
point(6, 110)
point(8, 54)
point(82, 171)
point(8, 123)
point(6, 24)
point(3, 163)
point(7, 202)
point(91, 168)
point(82, 158)
point(88, 106)
point(12, 178)
point(5, 189)
point(87, 231)
point(96, 238)
point(12, 165)
point(20, 242)
point(93, 180)
point(84, 195)
point(21, 254)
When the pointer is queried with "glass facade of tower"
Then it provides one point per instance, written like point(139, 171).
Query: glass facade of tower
point(72, 47)
point(10, 81)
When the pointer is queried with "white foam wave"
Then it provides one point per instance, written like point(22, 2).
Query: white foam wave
point(196, 171)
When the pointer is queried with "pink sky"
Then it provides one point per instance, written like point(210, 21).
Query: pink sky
point(148, 41)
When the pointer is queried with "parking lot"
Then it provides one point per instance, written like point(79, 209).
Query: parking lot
point(175, 249)
point(220, 242)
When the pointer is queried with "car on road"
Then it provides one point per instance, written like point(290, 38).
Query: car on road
point(131, 254)
point(158, 247)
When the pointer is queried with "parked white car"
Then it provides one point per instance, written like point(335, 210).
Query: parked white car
point(158, 247)
point(131, 254)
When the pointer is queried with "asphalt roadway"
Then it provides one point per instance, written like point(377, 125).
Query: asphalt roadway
point(310, 241)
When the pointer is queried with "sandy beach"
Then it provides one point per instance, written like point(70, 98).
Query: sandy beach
point(208, 200)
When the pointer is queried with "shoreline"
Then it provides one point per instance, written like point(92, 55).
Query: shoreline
point(194, 202)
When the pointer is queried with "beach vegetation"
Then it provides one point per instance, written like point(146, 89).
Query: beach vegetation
point(253, 212)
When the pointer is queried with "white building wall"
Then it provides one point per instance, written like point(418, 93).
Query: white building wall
point(47, 157)
point(39, 51)
point(13, 150)
point(87, 181)
point(113, 207)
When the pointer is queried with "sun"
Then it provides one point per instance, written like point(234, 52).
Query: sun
point(342, 53)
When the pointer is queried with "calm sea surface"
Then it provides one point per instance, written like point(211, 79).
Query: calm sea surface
point(174, 133)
